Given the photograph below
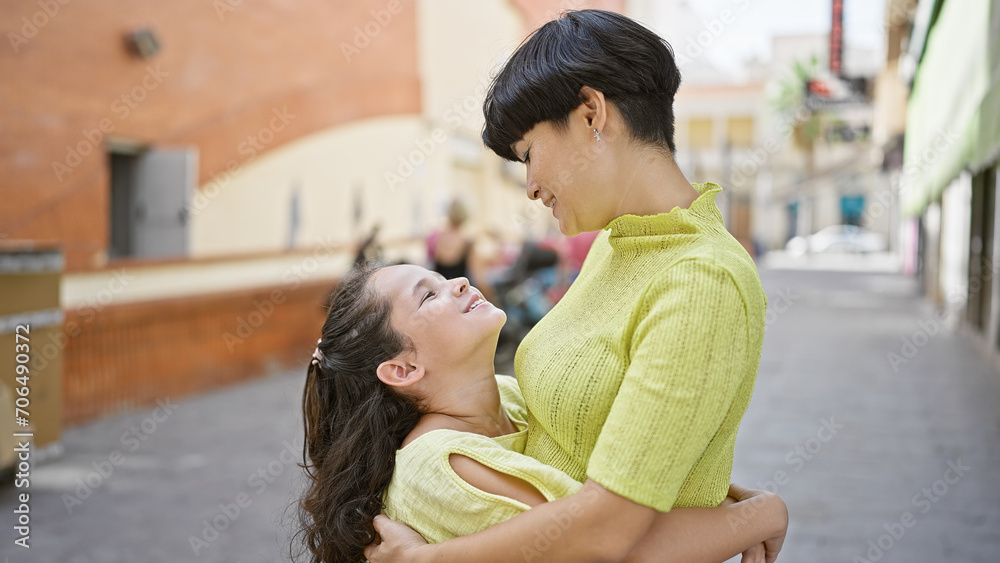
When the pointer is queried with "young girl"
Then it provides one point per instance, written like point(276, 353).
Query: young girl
point(637, 380)
point(404, 414)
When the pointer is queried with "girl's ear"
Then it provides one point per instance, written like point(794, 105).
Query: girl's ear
point(398, 372)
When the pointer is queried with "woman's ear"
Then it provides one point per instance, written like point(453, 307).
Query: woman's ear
point(595, 107)
point(398, 372)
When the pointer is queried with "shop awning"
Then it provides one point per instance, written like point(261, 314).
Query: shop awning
point(953, 116)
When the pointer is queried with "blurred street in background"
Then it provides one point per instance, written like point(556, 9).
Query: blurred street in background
point(850, 440)
point(865, 405)
point(183, 182)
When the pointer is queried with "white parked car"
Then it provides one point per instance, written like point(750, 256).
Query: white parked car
point(839, 238)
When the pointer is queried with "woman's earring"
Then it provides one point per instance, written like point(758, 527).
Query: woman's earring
point(597, 135)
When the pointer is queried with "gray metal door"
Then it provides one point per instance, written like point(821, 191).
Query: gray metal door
point(164, 182)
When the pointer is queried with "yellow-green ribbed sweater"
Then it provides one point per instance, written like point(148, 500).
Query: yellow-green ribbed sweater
point(427, 495)
point(638, 378)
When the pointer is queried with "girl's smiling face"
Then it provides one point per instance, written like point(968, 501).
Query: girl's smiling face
point(448, 322)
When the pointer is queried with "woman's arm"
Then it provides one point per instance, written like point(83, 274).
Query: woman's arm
point(598, 525)
point(592, 525)
point(716, 534)
point(684, 534)
point(681, 388)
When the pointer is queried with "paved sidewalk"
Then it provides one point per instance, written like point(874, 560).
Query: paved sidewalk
point(862, 452)
point(210, 450)
point(849, 443)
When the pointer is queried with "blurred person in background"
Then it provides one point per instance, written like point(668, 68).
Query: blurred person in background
point(369, 249)
point(636, 381)
point(491, 256)
point(449, 249)
point(572, 253)
point(575, 251)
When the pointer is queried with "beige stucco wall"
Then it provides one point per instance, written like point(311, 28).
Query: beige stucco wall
point(404, 169)
point(462, 44)
point(333, 172)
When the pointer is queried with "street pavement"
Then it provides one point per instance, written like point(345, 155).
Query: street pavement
point(877, 425)
point(182, 477)
point(878, 457)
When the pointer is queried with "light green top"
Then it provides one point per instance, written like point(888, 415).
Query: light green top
point(427, 495)
point(638, 378)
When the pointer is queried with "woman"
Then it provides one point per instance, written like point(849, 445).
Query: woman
point(636, 382)
point(404, 412)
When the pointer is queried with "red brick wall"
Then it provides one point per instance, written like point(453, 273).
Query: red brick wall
point(130, 355)
point(223, 68)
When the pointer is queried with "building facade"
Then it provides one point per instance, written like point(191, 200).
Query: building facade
point(790, 163)
point(208, 169)
point(948, 56)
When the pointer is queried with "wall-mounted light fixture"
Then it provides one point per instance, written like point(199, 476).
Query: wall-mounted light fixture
point(142, 43)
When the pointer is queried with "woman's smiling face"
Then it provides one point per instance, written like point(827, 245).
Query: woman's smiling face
point(566, 171)
point(448, 321)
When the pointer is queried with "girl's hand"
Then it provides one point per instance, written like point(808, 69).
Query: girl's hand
point(399, 543)
point(756, 554)
point(771, 545)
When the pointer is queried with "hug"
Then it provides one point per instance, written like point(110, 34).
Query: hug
point(614, 440)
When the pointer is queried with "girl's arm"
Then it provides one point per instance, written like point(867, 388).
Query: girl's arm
point(597, 525)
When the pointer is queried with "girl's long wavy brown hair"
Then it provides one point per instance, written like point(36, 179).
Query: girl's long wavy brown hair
point(354, 423)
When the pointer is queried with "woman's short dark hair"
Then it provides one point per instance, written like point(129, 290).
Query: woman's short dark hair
point(541, 81)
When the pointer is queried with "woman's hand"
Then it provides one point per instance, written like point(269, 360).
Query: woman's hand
point(399, 542)
point(767, 551)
